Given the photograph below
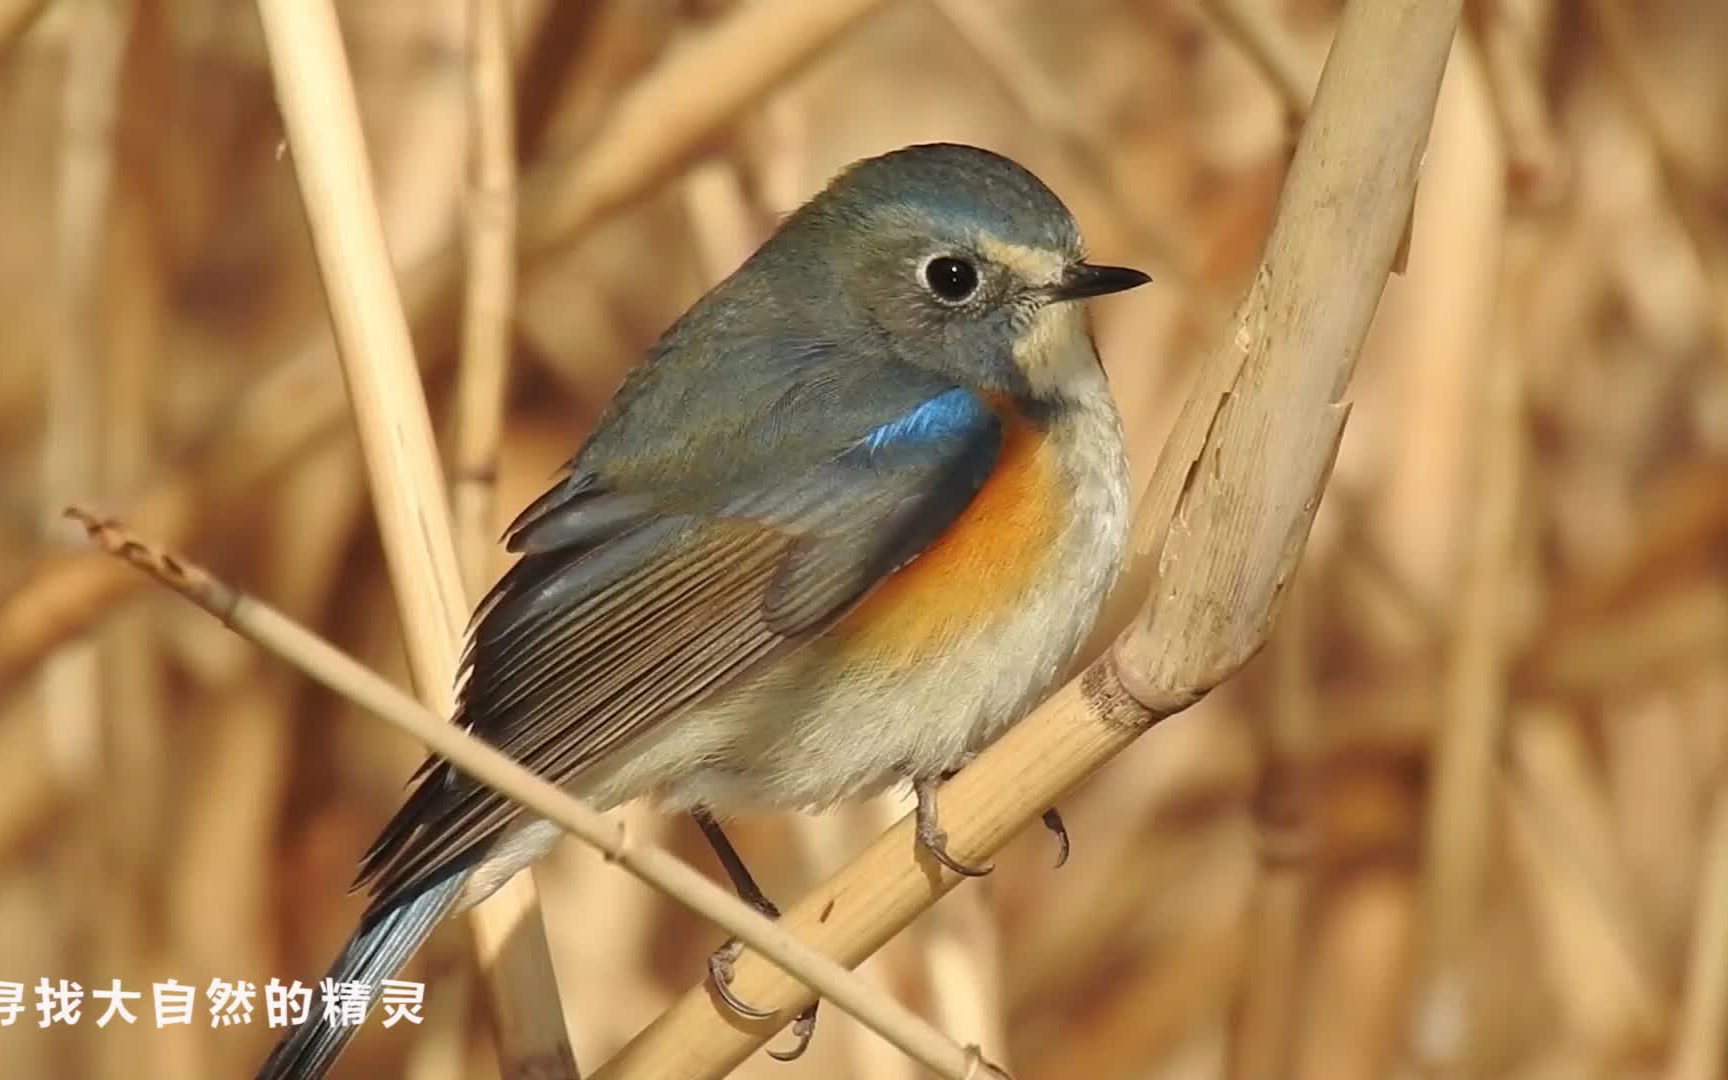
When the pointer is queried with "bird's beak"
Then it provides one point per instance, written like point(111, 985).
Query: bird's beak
point(1085, 279)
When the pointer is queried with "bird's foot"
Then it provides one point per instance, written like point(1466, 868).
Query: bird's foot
point(720, 970)
point(933, 838)
point(722, 960)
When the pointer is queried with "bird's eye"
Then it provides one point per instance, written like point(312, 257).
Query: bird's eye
point(951, 279)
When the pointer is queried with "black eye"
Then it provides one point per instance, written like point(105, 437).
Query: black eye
point(951, 279)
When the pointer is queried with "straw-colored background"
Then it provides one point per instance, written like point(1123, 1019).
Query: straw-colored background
point(1466, 816)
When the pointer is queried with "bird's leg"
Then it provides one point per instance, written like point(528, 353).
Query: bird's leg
point(721, 960)
point(1052, 821)
point(931, 834)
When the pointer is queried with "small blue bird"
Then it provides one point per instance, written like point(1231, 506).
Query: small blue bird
point(852, 517)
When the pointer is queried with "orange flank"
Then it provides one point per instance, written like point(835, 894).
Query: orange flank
point(980, 567)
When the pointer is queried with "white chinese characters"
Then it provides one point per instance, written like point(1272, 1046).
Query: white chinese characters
point(227, 1003)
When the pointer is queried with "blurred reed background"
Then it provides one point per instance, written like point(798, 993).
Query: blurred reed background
point(1465, 816)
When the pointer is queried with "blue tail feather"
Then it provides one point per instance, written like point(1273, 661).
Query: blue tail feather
point(377, 951)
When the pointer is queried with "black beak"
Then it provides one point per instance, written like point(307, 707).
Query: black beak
point(1084, 279)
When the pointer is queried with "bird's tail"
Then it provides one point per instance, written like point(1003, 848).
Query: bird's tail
point(377, 951)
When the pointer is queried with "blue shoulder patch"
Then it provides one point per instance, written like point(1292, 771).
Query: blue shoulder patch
point(952, 413)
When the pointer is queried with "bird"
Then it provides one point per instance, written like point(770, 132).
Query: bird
point(851, 517)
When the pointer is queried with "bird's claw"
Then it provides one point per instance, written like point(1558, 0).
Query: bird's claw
point(934, 839)
point(720, 963)
point(803, 1029)
point(1053, 822)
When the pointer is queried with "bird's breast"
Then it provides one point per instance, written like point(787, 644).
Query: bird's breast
point(981, 568)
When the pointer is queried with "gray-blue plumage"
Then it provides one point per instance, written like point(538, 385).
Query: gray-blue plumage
point(804, 431)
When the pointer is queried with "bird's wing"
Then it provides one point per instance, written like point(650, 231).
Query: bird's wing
point(628, 605)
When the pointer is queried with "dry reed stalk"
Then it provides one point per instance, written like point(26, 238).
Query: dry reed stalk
point(137, 790)
point(137, 735)
point(16, 16)
point(31, 785)
point(1274, 52)
point(316, 96)
point(1687, 185)
point(1552, 758)
point(1174, 969)
point(1437, 324)
point(1701, 1040)
point(653, 129)
point(490, 297)
point(1536, 163)
point(264, 430)
point(1052, 109)
point(822, 840)
point(1608, 1000)
point(72, 454)
point(71, 682)
point(617, 927)
point(1660, 795)
point(1358, 978)
point(508, 933)
point(441, 1053)
point(961, 949)
point(1057, 956)
point(1266, 1006)
point(1456, 852)
point(1224, 521)
point(278, 634)
point(224, 892)
point(1677, 625)
point(296, 403)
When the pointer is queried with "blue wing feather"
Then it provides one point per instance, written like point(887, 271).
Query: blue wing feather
point(949, 415)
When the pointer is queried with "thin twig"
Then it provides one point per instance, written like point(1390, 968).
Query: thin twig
point(275, 632)
point(316, 95)
point(1224, 521)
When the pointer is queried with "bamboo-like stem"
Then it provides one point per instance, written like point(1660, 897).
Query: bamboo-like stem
point(1271, 49)
point(1477, 684)
point(316, 95)
point(490, 237)
point(509, 935)
point(327, 665)
point(1224, 522)
point(293, 405)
